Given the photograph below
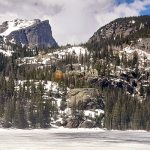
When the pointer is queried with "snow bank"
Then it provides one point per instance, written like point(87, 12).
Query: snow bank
point(93, 113)
point(6, 53)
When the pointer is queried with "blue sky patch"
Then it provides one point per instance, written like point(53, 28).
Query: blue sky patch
point(146, 11)
point(124, 1)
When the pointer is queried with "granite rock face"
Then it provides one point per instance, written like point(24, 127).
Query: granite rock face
point(84, 98)
point(33, 34)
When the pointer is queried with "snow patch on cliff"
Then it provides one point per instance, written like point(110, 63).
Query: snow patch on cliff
point(17, 25)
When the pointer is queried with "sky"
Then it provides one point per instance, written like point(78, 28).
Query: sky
point(73, 21)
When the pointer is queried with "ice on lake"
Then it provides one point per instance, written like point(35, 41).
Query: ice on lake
point(73, 139)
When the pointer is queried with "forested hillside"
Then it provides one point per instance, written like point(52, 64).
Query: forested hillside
point(103, 83)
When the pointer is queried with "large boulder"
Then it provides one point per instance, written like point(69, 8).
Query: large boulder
point(73, 122)
point(83, 98)
point(6, 124)
point(87, 124)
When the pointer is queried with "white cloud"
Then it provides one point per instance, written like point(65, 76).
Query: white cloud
point(72, 21)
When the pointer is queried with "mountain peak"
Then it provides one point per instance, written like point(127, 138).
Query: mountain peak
point(32, 33)
point(122, 31)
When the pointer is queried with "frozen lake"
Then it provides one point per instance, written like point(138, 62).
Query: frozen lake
point(73, 139)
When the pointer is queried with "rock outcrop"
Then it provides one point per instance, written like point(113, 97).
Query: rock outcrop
point(84, 98)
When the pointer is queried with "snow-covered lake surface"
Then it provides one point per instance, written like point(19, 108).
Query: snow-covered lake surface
point(73, 139)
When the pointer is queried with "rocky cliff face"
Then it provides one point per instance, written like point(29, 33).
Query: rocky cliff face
point(122, 31)
point(33, 33)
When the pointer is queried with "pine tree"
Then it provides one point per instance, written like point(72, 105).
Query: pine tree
point(135, 59)
point(20, 118)
point(116, 119)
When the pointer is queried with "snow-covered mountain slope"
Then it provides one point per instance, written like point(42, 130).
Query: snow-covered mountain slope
point(31, 33)
point(75, 50)
point(50, 58)
point(142, 55)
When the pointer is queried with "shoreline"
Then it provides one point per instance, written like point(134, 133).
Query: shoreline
point(70, 130)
